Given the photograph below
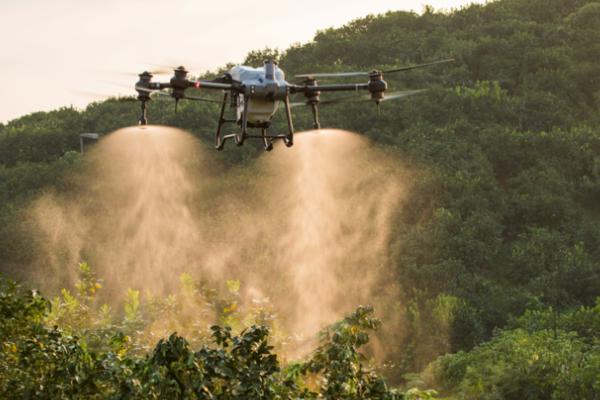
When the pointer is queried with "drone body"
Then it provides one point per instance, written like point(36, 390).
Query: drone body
point(267, 90)
point(256, 93)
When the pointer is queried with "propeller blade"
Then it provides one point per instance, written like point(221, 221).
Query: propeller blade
point(164, 94)
point(161, 93)
point(346, 99)
point(171, 65)
point(401, 94)
point(367, 98)
point(292, 105)
point(162, 69)
point(124, 99)
point(331, 75)
point(389, 71)
point(152, 91)
point(357, 73)
point(103, 96)
point(156, 71)
point(143, 89)
point(202, 99)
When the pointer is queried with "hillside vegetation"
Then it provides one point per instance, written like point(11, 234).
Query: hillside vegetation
point(499, 244)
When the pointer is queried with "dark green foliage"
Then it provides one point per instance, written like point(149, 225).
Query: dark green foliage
point(339, 363)
point(21, 309)
point(548, 355)
point(239, 367)
point(37, 361)
point(41, 362)
point(40, 137)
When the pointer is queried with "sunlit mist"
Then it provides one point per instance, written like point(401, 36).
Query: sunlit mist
point(302, 228)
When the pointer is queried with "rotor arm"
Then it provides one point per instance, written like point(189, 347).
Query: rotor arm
point(144, 89)
point(151, 87)
point(343, 87)
point(178, 84)
point(210, 85)
point(159, 85)
point(312, 91)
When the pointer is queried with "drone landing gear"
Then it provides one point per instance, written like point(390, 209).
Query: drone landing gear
point(267, 141)
point(220, 140)
point(240, 137)
point(289, 138)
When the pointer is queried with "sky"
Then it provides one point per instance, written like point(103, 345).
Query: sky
point(72, 52)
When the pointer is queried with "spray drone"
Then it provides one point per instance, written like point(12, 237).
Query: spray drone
point(256, 93)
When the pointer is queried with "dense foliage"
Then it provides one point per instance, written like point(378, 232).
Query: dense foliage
point(100, 360)
point(504, 219)
point(545, 355)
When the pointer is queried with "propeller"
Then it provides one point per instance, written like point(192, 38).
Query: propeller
point(153, 91)
point(103, 96)
point(155, 71)
point(162, 93)
point(365, 98)
point(202, 99)
point(362, 73)
point(169, 66)
point(163, 69)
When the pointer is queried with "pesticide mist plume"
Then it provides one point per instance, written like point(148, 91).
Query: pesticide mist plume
point(305, 227)
point(336, 194)
point(131, 216)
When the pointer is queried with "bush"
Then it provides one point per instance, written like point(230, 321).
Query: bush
point(37, 361)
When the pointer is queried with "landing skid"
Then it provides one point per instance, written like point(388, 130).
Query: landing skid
point(266, 138)
point(240, 137)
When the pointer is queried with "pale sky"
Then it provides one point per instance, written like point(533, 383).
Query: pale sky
point(52, 50)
